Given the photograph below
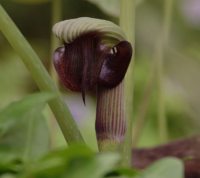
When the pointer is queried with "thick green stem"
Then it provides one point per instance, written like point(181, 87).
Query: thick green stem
point(160, 50)
point(127, 23)
point(41, 77)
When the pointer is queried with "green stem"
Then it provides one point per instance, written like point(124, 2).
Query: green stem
point(127, 23)
point(56, 15)
point(56, 12)
point(160, 50)
point(41, 77)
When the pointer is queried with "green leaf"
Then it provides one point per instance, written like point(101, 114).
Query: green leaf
point(164, 168)
point(73, 162)
point(57, 162)
point(126, 172)
point(25, 105)
point(7, 176)
point(96, 167)
point(23, 130)
point(10, 162)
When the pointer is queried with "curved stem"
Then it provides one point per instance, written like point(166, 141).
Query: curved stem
point(41, 77)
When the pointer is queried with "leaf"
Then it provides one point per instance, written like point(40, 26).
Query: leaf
point(56, 163)
point(19, 108)
point(23, 129)
point(10, 162)
point(164, 168)
point(7, 176)
point(73, 162)
point(96, 167)
point(126, 172)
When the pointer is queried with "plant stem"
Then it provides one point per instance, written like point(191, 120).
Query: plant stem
point(110, 118)
point(127, 23)
point(56, 15)
point(160, 49)
point(41, 77)
point(111, 122)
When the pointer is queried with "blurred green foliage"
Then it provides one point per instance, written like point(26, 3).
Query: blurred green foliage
point(23, 128)
point(25, 152)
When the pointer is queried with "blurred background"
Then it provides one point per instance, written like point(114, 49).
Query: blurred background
point(180, 74)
